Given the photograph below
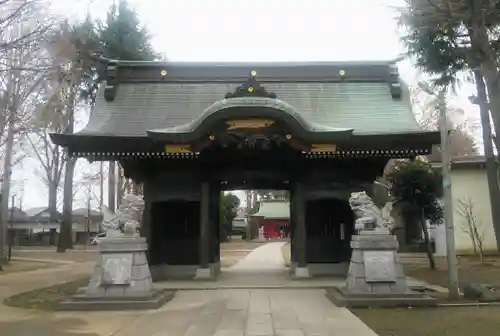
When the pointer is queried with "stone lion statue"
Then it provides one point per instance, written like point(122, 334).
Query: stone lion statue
point(126, 220)
point(368, 215)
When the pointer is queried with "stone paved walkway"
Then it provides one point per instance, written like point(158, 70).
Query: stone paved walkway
point(268, 257)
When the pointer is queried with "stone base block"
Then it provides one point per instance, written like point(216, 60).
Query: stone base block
point(207, 273)
point(301, 273)
point(152, 300)
point(343, 298)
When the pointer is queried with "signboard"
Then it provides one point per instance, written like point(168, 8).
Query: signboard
point(116, 269)
point(379, 266)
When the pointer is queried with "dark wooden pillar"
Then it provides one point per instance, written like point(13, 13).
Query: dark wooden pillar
point(205, 225)
point(214, 223)
point(293, 254)
point(299, 212)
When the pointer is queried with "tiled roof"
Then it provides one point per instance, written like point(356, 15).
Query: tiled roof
point(362, 102)
point(274, 209)
point(368, 108)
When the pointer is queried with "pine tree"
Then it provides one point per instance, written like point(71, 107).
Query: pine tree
point(122, 36)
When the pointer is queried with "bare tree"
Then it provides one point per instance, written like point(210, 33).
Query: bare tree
point(18, 12)
point(92, 176)
point(72, 48)
point(18, 101)
point(472, 225)
point(52, 116)
point(426, 111)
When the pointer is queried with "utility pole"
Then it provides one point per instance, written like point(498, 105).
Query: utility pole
point(491, 165)
point(451, 256)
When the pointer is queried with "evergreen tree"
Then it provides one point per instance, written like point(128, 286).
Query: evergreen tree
point(122, 36)
point(228, 204)
point(416, 185)
point(447, 38)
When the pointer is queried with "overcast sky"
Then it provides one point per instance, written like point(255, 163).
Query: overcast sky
point(256, 30)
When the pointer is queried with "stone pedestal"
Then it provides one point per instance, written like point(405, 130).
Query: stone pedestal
point(121, 279)
point(375, 277)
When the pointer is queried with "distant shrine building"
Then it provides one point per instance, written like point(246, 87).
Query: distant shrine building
point(273, 217)
point(188, 131)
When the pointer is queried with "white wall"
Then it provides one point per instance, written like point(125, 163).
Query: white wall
point(472, 184)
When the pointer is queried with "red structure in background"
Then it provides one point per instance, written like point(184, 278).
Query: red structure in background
point(274, 217)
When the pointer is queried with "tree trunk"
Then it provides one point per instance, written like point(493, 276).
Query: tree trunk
point(430, 253)
point(491, 164)
point(52, 201)
point(7, 172)
point(65, 240)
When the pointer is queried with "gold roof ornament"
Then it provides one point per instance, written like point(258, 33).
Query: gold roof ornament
point(342, 73)
point(164, 73)
point(177, 148)
point(250, 88)
point(249, 123)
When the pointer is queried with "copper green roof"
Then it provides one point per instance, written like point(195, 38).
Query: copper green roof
point(343, 103)
point(368, 108)
point(274, 209)
point(360, 100)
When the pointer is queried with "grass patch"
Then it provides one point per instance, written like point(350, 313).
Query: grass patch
point(457, 321)
point(46, 298)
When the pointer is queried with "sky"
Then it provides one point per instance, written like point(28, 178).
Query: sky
point(257, 30)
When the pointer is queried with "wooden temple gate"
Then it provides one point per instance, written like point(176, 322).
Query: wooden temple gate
point(188, 131)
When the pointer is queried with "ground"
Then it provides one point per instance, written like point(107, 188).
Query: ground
point(23, 265)
point(287, 253)
point(470, 270)
point(231, 252)
point(308, 313)
point(46, 298)
point(456, 321)
point(221, 312)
